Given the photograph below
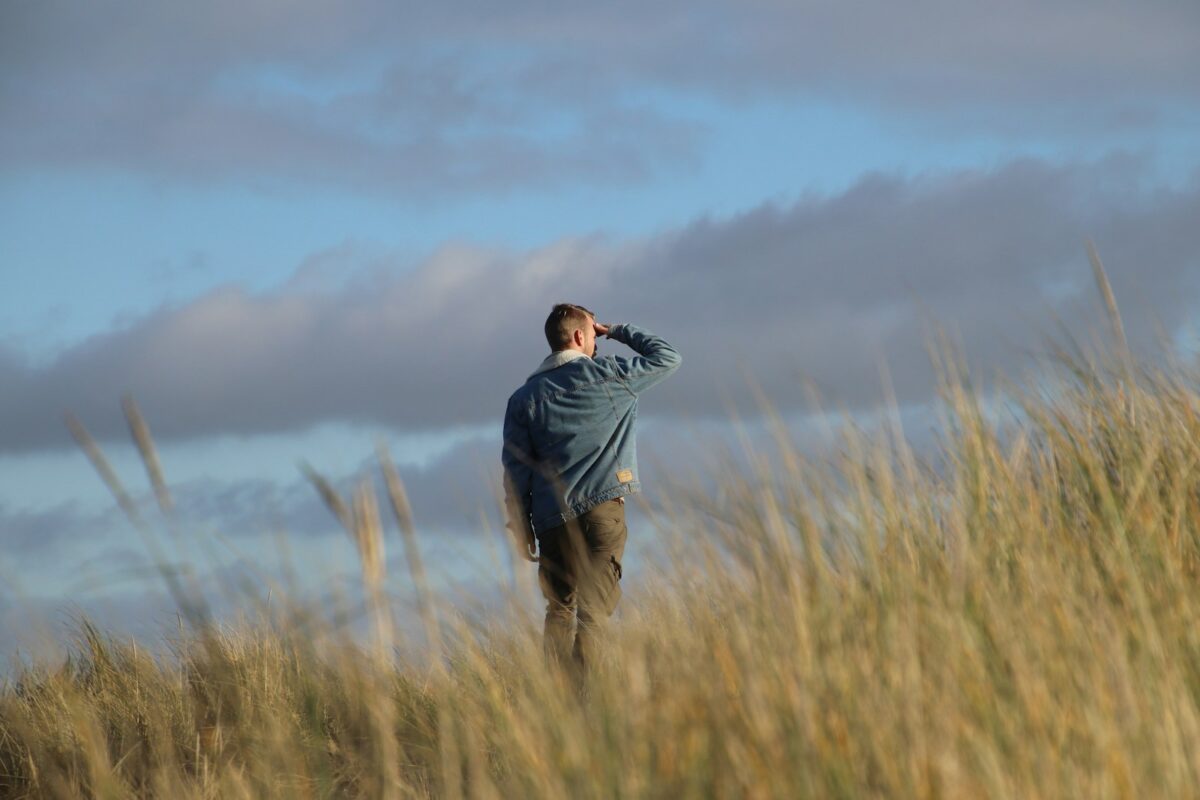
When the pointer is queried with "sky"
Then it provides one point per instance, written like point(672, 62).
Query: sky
point(292, 231)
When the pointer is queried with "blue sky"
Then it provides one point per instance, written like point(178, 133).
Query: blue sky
point(291, 232)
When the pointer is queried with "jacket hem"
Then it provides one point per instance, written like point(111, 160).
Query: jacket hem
point(584, 506)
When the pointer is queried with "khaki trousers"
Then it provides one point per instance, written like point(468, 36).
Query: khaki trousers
point(580, 573)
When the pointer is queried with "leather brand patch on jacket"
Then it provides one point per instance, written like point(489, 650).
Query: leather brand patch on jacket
point(625, 475)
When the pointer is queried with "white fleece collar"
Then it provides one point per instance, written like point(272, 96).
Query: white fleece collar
point(557, 359)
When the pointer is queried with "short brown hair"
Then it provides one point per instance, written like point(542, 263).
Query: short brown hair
point(564, 320)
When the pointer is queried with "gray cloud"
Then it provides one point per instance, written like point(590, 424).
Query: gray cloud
point(820, 289)
point(455, 501)
point(115, 583)
point(119, 589)
point(297, 94)
point(448, 496)
point(42, 533)
point(449, 97)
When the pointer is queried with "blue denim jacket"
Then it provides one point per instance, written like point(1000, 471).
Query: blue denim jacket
point(569, 431)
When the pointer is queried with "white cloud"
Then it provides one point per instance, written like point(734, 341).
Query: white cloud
point(822, 288)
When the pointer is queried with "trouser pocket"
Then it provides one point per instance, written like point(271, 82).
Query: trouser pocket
point(612, 595)
point(599, 556)
point(600, 591)
point(604, 573)
point(605, 530)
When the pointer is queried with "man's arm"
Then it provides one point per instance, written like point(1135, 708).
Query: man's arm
point(518, 461)
point(655, 360)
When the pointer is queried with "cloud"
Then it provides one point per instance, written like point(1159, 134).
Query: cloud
point(41, 533)
point(118, 588)
point(74, 560)
point(468, 96)
point(822, 289)
point(455, 498)
point(448, 495)
point(360, 98)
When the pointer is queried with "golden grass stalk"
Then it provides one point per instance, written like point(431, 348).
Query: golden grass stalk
point(1012, 614)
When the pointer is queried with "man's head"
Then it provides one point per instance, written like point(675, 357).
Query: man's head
point(571, 327)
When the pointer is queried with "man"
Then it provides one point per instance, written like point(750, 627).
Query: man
point(569, 461)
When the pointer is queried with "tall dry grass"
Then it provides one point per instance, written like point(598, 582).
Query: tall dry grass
point(1013, 615)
